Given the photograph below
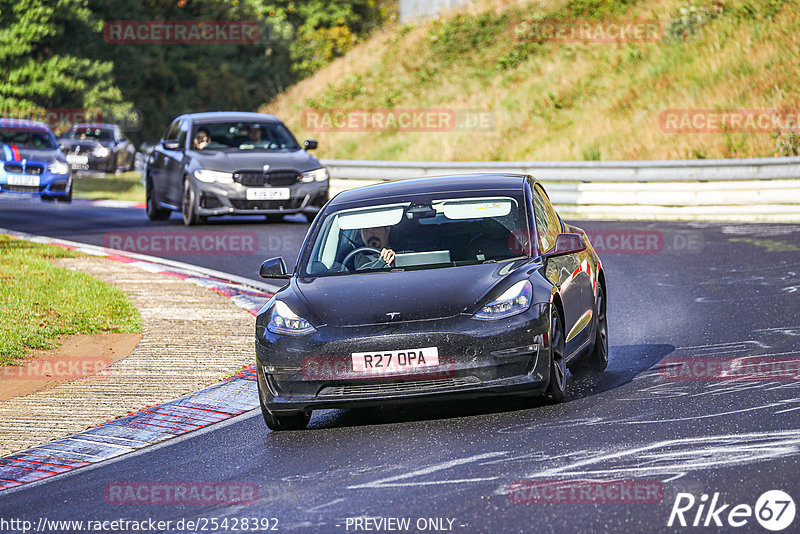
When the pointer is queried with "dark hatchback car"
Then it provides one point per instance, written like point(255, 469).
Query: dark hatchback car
point(232, 163)
point(97, 147)
point(454, 286)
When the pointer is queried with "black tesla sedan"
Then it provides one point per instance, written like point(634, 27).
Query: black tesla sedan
point(455, 286)
point(97, 146)
point(232, 163)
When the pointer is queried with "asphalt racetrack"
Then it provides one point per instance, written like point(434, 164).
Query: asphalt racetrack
point(684, 299)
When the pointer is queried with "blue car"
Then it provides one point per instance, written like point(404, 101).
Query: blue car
point(31, 164)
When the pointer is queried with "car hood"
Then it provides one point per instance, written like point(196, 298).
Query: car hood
point(83, 146)
point(363, 299)
point(255, 160)
point(32, 154)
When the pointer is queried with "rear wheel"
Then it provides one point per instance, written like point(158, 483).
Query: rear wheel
point(189, 206)
point(598, 359)
point(154, 212)
point(557, 384)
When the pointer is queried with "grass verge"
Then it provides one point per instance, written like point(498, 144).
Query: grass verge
point(39, 301)
point(126, 186)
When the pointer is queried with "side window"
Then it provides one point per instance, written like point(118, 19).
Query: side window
point(547, 224)
point(183, 132)
point(172, 133)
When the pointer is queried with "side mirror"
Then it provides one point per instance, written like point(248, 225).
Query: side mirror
point(274, 268)
point(566, 244)
point(310, 144)
point(170, 144)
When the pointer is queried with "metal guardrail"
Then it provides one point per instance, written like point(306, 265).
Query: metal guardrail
point(578, 171)
point(752, 189)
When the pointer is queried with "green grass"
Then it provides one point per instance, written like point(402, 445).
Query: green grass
point(39, 301)
point(126, 186)
point(556, 100)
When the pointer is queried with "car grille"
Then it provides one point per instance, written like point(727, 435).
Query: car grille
point(241, 204)
point(259, 178)
point(27, 169)
point(409, 386)
point(23, 188)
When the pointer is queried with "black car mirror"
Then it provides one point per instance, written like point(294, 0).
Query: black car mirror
point(566, 244)
point(273, 268)
point(170, 144)
point(310, 144)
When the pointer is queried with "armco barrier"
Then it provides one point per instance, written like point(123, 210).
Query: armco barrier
point(721, 189)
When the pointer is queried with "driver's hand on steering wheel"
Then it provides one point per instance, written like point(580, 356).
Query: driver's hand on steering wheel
point(387, 255)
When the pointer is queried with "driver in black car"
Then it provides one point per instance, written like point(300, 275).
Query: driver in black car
point(377, 238)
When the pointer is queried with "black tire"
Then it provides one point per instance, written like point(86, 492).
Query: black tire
point(557, 385)
point(296, 421)
point(274, 217)
point(154, 212)
point(67, 199)
point(47, 198)
point(189, 206)
point(598, 359)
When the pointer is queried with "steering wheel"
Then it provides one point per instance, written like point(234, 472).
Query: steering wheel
point(353, 253)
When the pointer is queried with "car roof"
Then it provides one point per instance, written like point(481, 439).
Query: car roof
point(219, 116)
point(103, 125)
point(23, 123)
point(434, 184)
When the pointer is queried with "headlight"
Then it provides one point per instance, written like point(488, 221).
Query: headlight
point(58, 167)
point(319, 175)
point(515, 300)
point(283, 320)
point(209, 176)
point(101, 152)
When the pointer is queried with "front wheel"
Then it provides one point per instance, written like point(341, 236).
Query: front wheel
point(557, 384)
point(296, 421)
point(67, 199)
point(189, 206)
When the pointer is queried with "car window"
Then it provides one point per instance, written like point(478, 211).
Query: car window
point(172, 132)
point(423, 234)
point(548, 225)
point(246, 135)
point(183, 132)
point(27, 138)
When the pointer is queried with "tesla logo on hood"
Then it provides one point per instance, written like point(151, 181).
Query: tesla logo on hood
point(393, 316)
point(265, 168)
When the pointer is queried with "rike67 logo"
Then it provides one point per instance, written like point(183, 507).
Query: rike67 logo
point(774, 510)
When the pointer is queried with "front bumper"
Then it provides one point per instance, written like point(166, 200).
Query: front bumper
point(93, 163)
point(50, 185)
point(476, 358)
point(216, 199)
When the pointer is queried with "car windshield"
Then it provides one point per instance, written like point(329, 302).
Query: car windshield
point(27, 138)
point(434, 233)
point(243, 136)
point(100, 134)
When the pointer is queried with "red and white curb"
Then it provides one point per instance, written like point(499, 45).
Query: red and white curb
point(223, 400)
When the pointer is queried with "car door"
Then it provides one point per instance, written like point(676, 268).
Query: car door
point(175, 162)
point(565, 271)
point(157, 164)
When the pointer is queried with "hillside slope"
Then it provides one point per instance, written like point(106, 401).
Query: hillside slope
point(545, 98)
